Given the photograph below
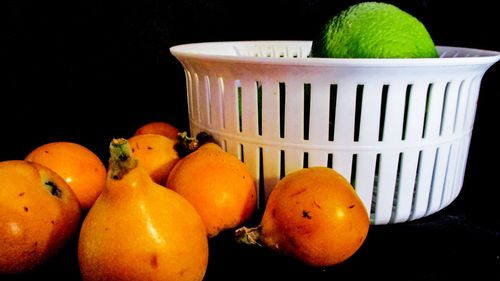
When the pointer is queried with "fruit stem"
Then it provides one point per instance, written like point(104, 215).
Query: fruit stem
point(187, 144)
point(121, 160)
point(248, 235)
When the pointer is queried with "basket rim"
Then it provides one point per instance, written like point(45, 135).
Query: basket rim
point(190, 50)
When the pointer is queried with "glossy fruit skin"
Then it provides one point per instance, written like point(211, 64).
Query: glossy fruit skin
point(218, 185)
point(139, 230)
point(156, 153)
point(160, 128)
point(314, 215)
point(373, 30)
point(39, 213)
point(77, 165)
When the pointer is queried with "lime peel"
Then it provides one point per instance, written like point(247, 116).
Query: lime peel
point(374, 30)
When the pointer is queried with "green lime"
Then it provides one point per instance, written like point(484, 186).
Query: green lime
point(374, 30)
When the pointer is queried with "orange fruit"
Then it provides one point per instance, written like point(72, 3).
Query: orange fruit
point(218, 185)
point(139, 230)
point(77, 165)
point(159, 127)
point(39, 213)
point(156, 153)
point(314, 215)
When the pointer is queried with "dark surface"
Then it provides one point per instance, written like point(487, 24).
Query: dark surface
point(88, 71)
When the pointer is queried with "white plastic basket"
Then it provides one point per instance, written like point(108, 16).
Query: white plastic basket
point(398, 129)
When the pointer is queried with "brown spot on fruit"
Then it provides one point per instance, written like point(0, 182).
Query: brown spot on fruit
point(305, 214)
point(53, 189)
point(21, 194)
point(154, 261)
point(298, 192)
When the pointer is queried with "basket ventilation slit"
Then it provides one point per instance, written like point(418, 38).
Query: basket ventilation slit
point(414, 197)
point(220, 81)
point(333, 105)
point(240, 106)
point(357, 112)
point(208, 99)
point(353, 170)
point(457, 105)
point(445, 97)
point(407, 107)
point(282, 164)
point(261, 184)
point(241, 153)
point(196, 96)
point(396, 189)
point(447, 176)
point(329, 160)
point(282, 90)
point(259, 107)
point(427, 104)
point(223, 145)
point(470, 98)
point(189, 90)
point(307, 109)
point(305, 160)
point(375, 188)
point(433, 182)
point(469, 94)
point(383, 107)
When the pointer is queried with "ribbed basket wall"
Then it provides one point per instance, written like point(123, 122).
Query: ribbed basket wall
point(398, 129)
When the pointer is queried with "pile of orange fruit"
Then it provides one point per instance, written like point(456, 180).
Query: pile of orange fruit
point(150, 211)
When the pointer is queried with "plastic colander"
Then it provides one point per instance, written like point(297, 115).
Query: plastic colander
point(397, 129)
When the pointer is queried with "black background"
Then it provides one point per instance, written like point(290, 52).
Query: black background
point(88, 71)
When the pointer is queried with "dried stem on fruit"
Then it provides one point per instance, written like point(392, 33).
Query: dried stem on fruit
point(248, 235)
point(121, 160)
point(187, 144)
